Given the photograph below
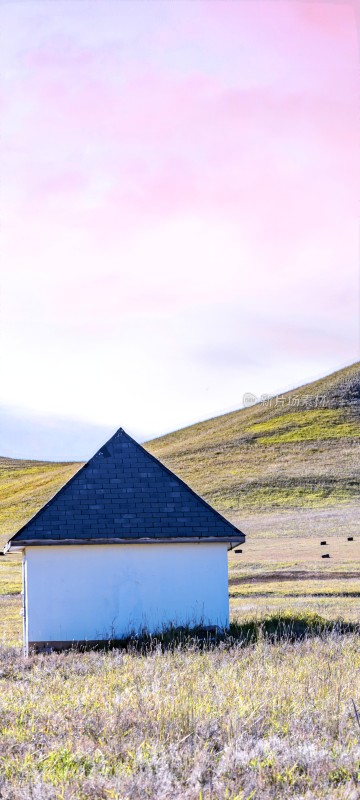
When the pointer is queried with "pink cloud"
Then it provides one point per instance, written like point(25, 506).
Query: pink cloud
point(327, 18)
point(187, 131)
point(138, 144)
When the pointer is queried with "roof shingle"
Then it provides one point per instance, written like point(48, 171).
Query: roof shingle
point(125, 493)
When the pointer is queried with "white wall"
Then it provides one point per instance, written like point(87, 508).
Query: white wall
point(92, 592)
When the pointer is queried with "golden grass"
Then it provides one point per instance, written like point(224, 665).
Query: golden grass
point(10, 575)
point(10, 620)
point(331, 608)
point(25, 487)
point(261, 721)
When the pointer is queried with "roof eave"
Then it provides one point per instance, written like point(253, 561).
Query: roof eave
point(21, 544)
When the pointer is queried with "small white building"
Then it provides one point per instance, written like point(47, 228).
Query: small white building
point(125, 547)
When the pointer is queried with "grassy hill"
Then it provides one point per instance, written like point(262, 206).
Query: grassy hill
point(299, 451)
point(24, 487)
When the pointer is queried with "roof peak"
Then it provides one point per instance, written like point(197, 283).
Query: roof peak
point(124, 492)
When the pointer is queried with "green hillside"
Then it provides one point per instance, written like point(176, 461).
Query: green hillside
point(299, 451)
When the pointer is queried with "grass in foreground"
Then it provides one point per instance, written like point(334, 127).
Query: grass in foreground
point(265, 714)
point(265, 720)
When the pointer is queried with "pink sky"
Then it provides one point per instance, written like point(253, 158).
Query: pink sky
point(179, 205)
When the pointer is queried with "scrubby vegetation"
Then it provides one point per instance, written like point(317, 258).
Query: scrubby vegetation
point(265, 719)
point(265, 711)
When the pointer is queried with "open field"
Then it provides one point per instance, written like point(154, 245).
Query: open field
point(265, 720)
point(269, 712)
point(238, 720)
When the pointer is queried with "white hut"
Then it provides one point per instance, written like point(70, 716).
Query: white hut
point(123, 548)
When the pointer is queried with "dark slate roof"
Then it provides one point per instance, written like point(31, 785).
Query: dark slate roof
point(124, 493)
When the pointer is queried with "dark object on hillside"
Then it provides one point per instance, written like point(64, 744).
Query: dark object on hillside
point(326, 555)
point(345, 393)
point(238, 551)
point(324, 542)
point(350, 538)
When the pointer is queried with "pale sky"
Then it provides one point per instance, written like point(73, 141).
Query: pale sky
point(179, 208)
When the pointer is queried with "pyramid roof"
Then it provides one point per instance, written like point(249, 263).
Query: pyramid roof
point(124, 494)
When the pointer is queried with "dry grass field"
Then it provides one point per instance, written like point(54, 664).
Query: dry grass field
point(266, 720)
point(265, 715)
point(268, 711)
